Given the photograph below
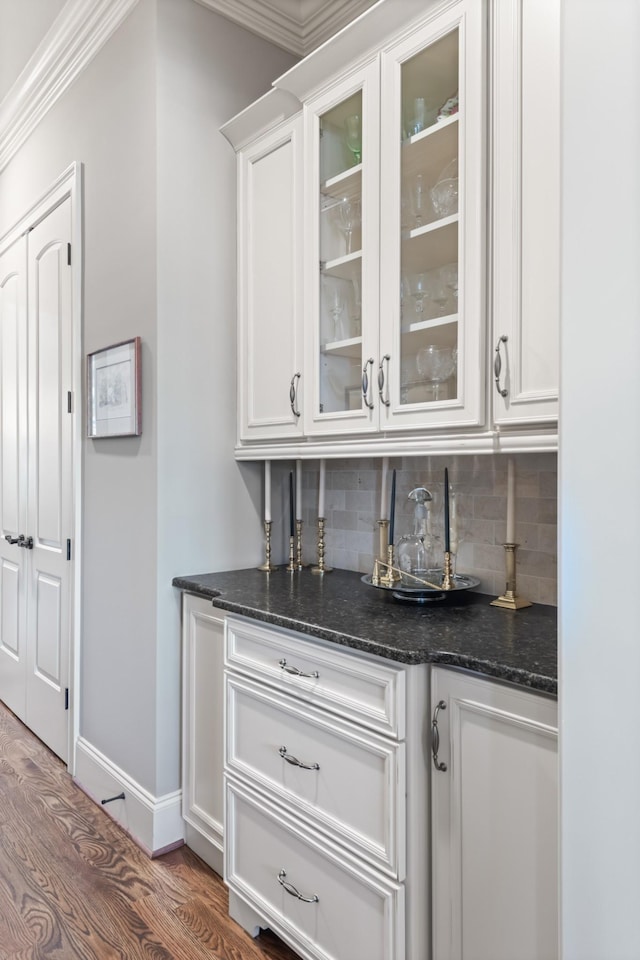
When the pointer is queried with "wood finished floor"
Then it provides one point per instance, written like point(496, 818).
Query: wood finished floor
point(73, 886)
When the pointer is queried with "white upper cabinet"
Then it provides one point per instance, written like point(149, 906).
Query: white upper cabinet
point(399, 236)
point(526, 211)
point(270, 309)
point(342, 141)
point(395, 219)
point(433, 225)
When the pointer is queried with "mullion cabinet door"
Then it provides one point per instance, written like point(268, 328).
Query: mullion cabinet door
point(341, 268)
point(433, 224)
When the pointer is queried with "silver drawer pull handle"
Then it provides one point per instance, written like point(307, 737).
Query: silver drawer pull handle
point(295, 762)
point(497, 366)
point(289, 887)
point(297, 673)
point(293, 394)
point(435, 737)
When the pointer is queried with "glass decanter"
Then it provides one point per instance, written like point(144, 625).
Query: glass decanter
point(415, 552)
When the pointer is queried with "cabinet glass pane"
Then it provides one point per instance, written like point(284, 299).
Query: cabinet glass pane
point(429, 298)
point(341, 164)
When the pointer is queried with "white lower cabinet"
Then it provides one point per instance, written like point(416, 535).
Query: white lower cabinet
point(494, 798)
point(326, 796)
point(202, 728)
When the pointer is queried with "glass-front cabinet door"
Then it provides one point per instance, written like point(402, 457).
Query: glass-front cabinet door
point(395, 216)
point(433, 224)
point(341, 291)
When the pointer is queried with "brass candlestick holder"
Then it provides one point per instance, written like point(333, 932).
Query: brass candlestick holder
point(267, 566)
point(447, 572)
point(320, 567)
point(510, 600)
point(392, 576)
point(291, 566)
point(299, 563)
point(384, 538)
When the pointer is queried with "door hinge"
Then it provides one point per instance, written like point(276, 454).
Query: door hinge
point(68, 254)
point(66, 698)
point(69, 403)
point(68, 549)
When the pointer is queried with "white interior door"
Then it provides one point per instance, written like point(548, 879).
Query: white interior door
point(50, 491)
point(13, 474)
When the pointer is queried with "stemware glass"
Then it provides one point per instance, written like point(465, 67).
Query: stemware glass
point(336, 303)
point(436, 290)
point(436, 364)
point(348, 218)
point(419, 199)
point(418, 288)
point(353, 136)
point(449, 274)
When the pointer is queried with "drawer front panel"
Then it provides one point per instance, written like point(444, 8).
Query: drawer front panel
point(355, 916)
point(355, 786)
point(363, 689)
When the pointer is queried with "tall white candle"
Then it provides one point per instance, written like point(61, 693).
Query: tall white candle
point(453, 521)
point(267, 491)
point(298, 489)
point(383, 488)
point(511, 501)
point(321, 483)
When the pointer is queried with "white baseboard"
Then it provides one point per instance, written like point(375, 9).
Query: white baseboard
point(154, 823)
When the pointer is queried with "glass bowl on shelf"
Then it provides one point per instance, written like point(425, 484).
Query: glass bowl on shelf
point(444, 197)
point(436, 365)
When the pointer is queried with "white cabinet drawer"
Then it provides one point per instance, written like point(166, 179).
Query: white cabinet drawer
point(359, 688)
point(352, 784)
point(357, 916)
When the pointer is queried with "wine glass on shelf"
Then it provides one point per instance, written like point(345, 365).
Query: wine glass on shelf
point(418, 289)
point(419, 200)
point(335, 304)
point(348, 219)
point(449, 274)
point(435, 365)
point(436, 290)
point(353, 137)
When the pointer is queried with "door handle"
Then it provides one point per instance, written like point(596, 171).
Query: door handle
point(11, 539)
point(26, 542)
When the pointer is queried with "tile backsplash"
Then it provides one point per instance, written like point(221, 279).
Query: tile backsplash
point(353, 504)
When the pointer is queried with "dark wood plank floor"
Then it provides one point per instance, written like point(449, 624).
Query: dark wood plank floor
point(73, 886)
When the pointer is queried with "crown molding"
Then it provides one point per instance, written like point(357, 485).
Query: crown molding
point(77, 34)
point(298, 26)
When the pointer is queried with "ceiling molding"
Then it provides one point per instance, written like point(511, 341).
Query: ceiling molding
point(76, 35)
point(298, 26)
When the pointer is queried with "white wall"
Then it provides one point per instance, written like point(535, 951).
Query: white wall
point(208, 505)
point(159, 215)
point(599, 482)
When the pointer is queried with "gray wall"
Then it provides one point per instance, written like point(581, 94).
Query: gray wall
point(598, 481)
point(159, 262)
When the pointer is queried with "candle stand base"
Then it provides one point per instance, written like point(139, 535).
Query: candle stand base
point(299, 564)
point(510, 600)
point(292, 565)
point(267, 566)
point(320, 567)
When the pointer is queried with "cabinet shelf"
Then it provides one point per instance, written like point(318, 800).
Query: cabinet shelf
point(419, 325)
point(346, 184)
point(431, 246)
point(351, 348)
point(342, 267)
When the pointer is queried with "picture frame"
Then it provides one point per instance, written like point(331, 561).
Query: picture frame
point(114, 391)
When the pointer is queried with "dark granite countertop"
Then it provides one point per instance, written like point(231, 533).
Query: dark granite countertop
point(462, 630)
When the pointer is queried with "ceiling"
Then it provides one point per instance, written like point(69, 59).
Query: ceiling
point(297, 25)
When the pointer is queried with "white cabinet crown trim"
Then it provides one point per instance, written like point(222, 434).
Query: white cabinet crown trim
point(77, 34)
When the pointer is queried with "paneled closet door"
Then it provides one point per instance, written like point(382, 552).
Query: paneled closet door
point(50, 492)
point(13, 474)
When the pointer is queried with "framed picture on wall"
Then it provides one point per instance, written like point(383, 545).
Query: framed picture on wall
point(114, 400)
